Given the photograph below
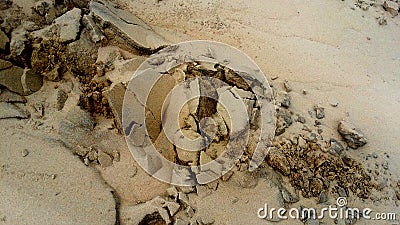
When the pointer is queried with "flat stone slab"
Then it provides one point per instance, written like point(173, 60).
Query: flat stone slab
point(127, 26)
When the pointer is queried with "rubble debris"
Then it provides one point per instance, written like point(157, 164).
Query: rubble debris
point(276, 159)
point(125, 28)
point(353, 137)
point(392, 7)
point(283, 99)
point(311, 169)
point(9, 110)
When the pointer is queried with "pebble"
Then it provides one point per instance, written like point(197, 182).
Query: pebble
point(25, 152)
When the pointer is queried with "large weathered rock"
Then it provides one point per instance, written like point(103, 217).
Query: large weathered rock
point(19, 80)
point(8, 110)
point(118, 23)
point(353, 137)
point(66, 26)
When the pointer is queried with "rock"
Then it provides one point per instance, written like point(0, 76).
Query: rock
point(172, 207)
point(287, 86)
point(18, 41)
point(69, 25)
point(316, 186)
point(126, 28)
point(392, 7)
point(151, 212)
point(5, 64)
point(382, 20)
point(288, 197)
point(8, 110)
point(5, 4)
point(277, 160)
point(172, 192)
point(284, 120)
point(353, 137)
point(336, 148)
point(62, 97)
point(3, 40)
point(322, 197)
point(115, 99)
point(283, 99)
point(21, 81)
point(95, 33)
point(42, 7)
point(66, 26)
point(8, 96)
point(24, 152)
point(82, 55)
point(104, 159)
point(319, 112)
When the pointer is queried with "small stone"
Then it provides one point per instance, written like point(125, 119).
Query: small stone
point(392, 7)
point(336, 148)
point(304, 92)
point(353, 137)
point(205, 220)
point(42, 7)
point(274, 77)
point(25, 152)
point(382, 20)
point(277, 160)
point(322, 197)
point(287, 86)
point(319, 112)
point(62, 97)
point(288, 197)
point(342, 192)
point(172, 192)
point(9, 110)
point(334, 104)
point(284, 99)
point(398, 195)
point(172, 207)
point(104, 159)
point(94, 31)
